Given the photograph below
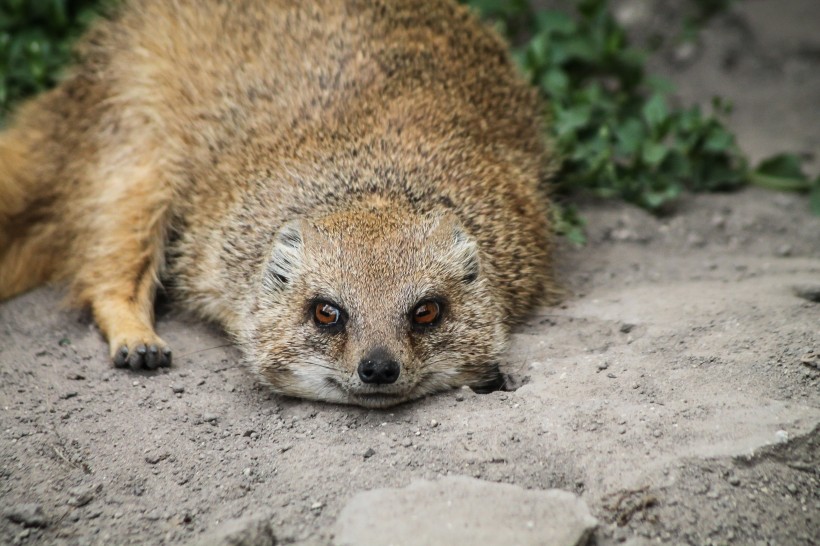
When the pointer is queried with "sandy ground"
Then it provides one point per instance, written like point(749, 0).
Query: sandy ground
point(676, 391)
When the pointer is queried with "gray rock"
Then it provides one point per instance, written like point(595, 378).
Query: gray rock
point(251, 531)
point(29, 515)
point(461, 510)
point(83, 494)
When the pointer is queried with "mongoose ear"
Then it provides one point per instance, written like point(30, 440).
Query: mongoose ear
point(285, 258)
point(465, 253)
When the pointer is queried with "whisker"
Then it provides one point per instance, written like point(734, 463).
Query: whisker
point(206, 349)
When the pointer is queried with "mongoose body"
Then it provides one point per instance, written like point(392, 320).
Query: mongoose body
point(353, 189)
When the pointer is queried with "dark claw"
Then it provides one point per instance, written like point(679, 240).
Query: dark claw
point(496, 381)
point(143, 357)
point(121, 358)
point(137, 358)
point(496, 384)
point(152, 358)
point(167, 357)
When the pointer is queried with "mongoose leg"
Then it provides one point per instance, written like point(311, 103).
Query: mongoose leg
point(120, 278)
point(124, 313)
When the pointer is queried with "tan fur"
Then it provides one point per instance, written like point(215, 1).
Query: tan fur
point(193, 134)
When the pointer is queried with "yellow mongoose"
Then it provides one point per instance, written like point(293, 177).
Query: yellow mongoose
point(353, 189)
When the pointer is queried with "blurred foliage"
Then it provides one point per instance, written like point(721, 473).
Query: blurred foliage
point(35, 43)
point(612, 123)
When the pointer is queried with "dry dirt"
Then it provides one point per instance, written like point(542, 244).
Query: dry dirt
point(677, 391)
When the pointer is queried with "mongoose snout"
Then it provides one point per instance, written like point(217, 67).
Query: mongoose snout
point(378, 368)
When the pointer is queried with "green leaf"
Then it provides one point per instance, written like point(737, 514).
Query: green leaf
point(654, 153)
point(719, 140)
point(656, 199)
point(554, 22)
point(782, 166)
point(655, 111)
point(555, 83)
point(629, 136)
point(569, 120)
point(783, 172)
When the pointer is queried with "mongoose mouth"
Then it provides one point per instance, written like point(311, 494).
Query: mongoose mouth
point(377, 400)
point(372, 398)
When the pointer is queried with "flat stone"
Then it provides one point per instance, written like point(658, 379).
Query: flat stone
point(251, 531)
point(462, 510)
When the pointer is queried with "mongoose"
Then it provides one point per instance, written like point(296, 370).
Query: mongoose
point(353, 189)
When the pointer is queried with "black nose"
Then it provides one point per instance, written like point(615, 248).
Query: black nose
point(378, 369)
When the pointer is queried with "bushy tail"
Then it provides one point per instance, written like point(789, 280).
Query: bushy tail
point(24, 263)
point(15, 181)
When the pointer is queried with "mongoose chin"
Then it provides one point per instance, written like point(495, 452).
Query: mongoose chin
point(353, 189)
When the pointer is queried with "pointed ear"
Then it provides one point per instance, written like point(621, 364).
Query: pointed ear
point(465, 253)
point(286, 257)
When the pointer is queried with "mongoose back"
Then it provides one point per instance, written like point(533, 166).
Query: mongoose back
point(352, 189)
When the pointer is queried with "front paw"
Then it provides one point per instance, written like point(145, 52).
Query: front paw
point(146, 354)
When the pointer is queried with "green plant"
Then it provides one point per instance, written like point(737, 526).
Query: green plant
point(612, 124)
point(35, 43)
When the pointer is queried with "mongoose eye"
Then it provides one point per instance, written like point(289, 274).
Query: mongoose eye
point(326, 314)
point(427, 313)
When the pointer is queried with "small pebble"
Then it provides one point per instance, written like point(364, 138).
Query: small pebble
point(792, 488)
point(177, 389)
point(369, 453)
point(210, 418)
point(781, 436)
point(734, 480)
point(433, 423)
point(459, 397)
point(156, 457)
point(83, 494)
point(67, 395)
point(784, 250)
point(718, 221)
point(407, 442)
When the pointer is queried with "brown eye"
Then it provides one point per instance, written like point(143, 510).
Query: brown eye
point(426, 313)
point(326, 314)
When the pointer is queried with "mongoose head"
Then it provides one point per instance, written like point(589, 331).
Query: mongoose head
point(374, 306)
